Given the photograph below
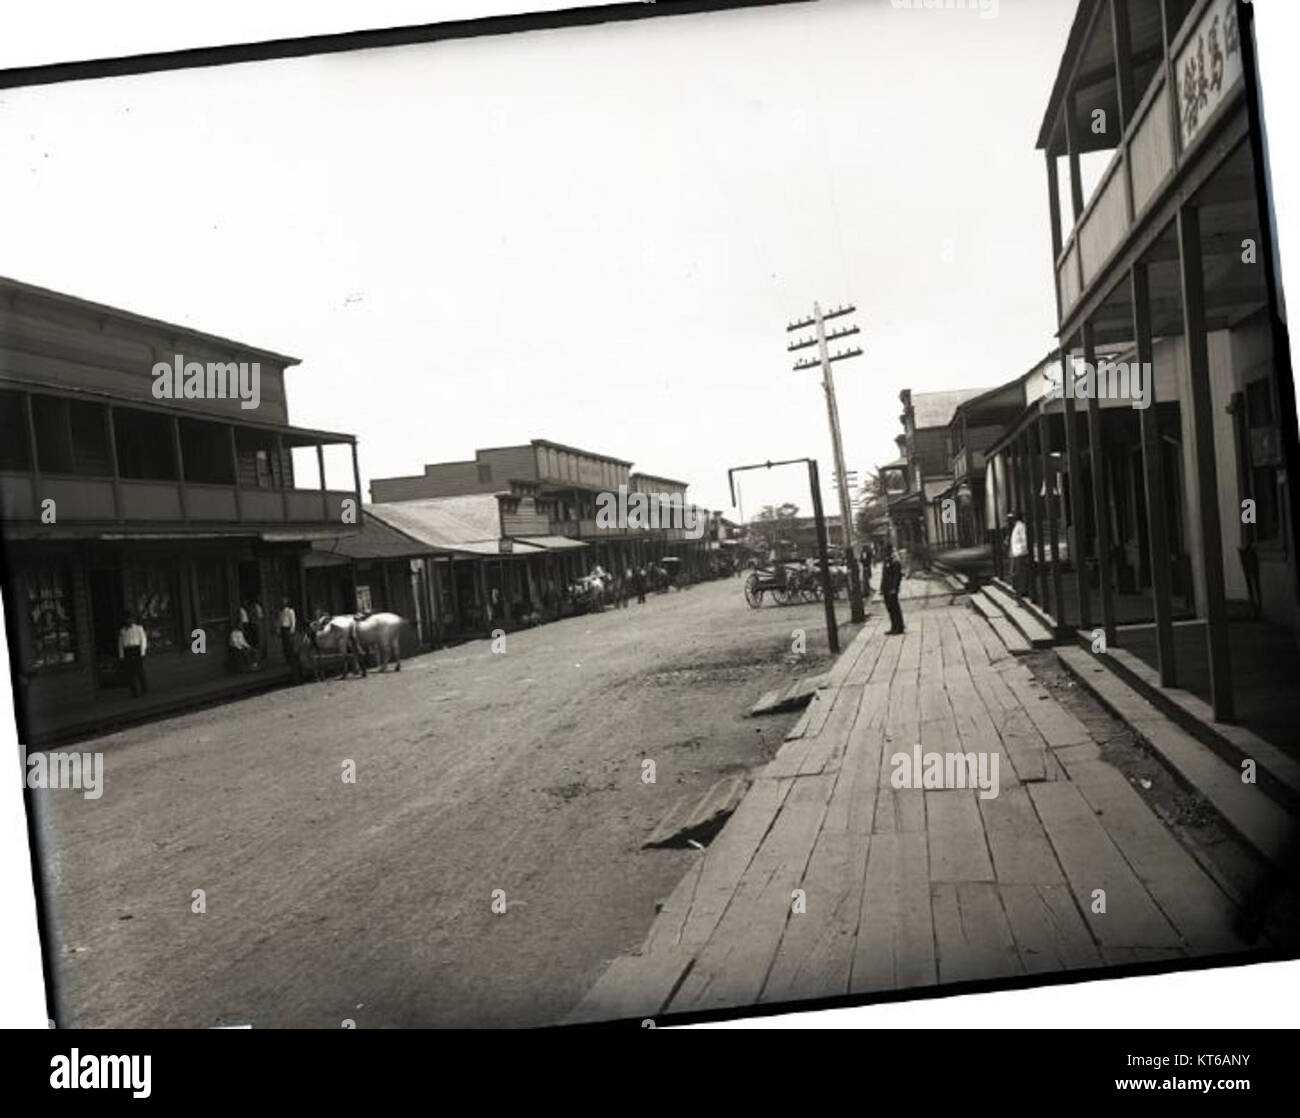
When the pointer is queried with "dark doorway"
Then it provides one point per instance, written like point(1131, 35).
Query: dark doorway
point(107, 610)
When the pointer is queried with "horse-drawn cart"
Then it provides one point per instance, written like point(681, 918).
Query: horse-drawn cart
point(786, 584)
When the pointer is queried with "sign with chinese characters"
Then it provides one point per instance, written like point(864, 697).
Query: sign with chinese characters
point(1208, 66)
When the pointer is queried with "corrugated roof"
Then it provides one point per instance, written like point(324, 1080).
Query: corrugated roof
point(375, 540)
point(935, 409)
point(448, 523)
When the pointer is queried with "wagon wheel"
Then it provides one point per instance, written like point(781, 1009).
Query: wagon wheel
point(753, 595)
point(812, 590)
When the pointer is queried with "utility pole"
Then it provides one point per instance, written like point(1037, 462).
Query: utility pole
point(824, 360)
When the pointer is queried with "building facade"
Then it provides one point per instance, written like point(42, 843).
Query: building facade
point(1160, 493)
point(116, 499)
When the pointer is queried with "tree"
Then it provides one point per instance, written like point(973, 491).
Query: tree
point(873, 513)
point(773, 524)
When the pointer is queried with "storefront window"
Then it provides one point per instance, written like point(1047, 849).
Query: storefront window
point(211, 591)
point(52, 631)
point(151, 599)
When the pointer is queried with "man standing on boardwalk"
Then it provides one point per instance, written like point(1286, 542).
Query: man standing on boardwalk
point(891, 580)
point(1019, 548)
point(867, 559)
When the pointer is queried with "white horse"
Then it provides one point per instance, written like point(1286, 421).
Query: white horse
point(381, 633)
point(330, 636)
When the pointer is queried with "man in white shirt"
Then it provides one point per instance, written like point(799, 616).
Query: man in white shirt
point(132, 645)
point(241, 652)
point(288, 622)
point(1019, 548)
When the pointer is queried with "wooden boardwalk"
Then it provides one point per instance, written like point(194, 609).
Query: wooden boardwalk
point(829, 881)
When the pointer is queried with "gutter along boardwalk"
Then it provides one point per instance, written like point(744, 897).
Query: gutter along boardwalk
point(908, 888)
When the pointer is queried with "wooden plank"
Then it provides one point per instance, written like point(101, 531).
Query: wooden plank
point(670, 824)
point(1021, 853)
point(849, 657)
point(853, 803)
point(798, 693)
point(895, 942)
point(633, 986)
point(1049, 932)
point(898, 810)
point(826, 749)
point(1012, 639)
point(1025, 747)
point(909, 656)
point(1198, 908)
point(1246, 808)
point(815, 956)
point(958, 851)
point(819, 709)
point(1057, 725)
point(666, 928)
point(986, 607)
point(977, 655)
point(729, 855)
point(1127, 956)
point(1030, 627)
point(1091, 861)
point(731, 968)
point(973, 938)
point(866, 663)
point(816, 751)
point(886, 665)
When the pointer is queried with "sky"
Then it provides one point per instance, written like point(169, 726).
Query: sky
point(590, 235)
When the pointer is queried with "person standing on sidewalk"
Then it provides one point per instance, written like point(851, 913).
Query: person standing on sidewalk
point(891, 581)
point(132, 645)
point(867, 559)
point(1019, 548)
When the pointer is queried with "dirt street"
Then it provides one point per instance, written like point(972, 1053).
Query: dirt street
point(371, 901)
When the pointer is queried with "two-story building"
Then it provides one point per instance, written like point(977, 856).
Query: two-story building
point(1165, 264)
point(562, 486)
point(125, 489)
point(976, 425)
point(922, 474)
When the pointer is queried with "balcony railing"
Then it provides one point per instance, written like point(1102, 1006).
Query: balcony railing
point(1207, 67)
point(81, 458)
point(104, 501)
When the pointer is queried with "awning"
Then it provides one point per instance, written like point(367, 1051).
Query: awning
point(552, 543)
point(495, 547)
point(316, 559)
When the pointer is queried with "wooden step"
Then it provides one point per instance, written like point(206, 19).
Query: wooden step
point(1010, 636)
point(1246, 808)
point(1034, 630)
point(986, 607)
